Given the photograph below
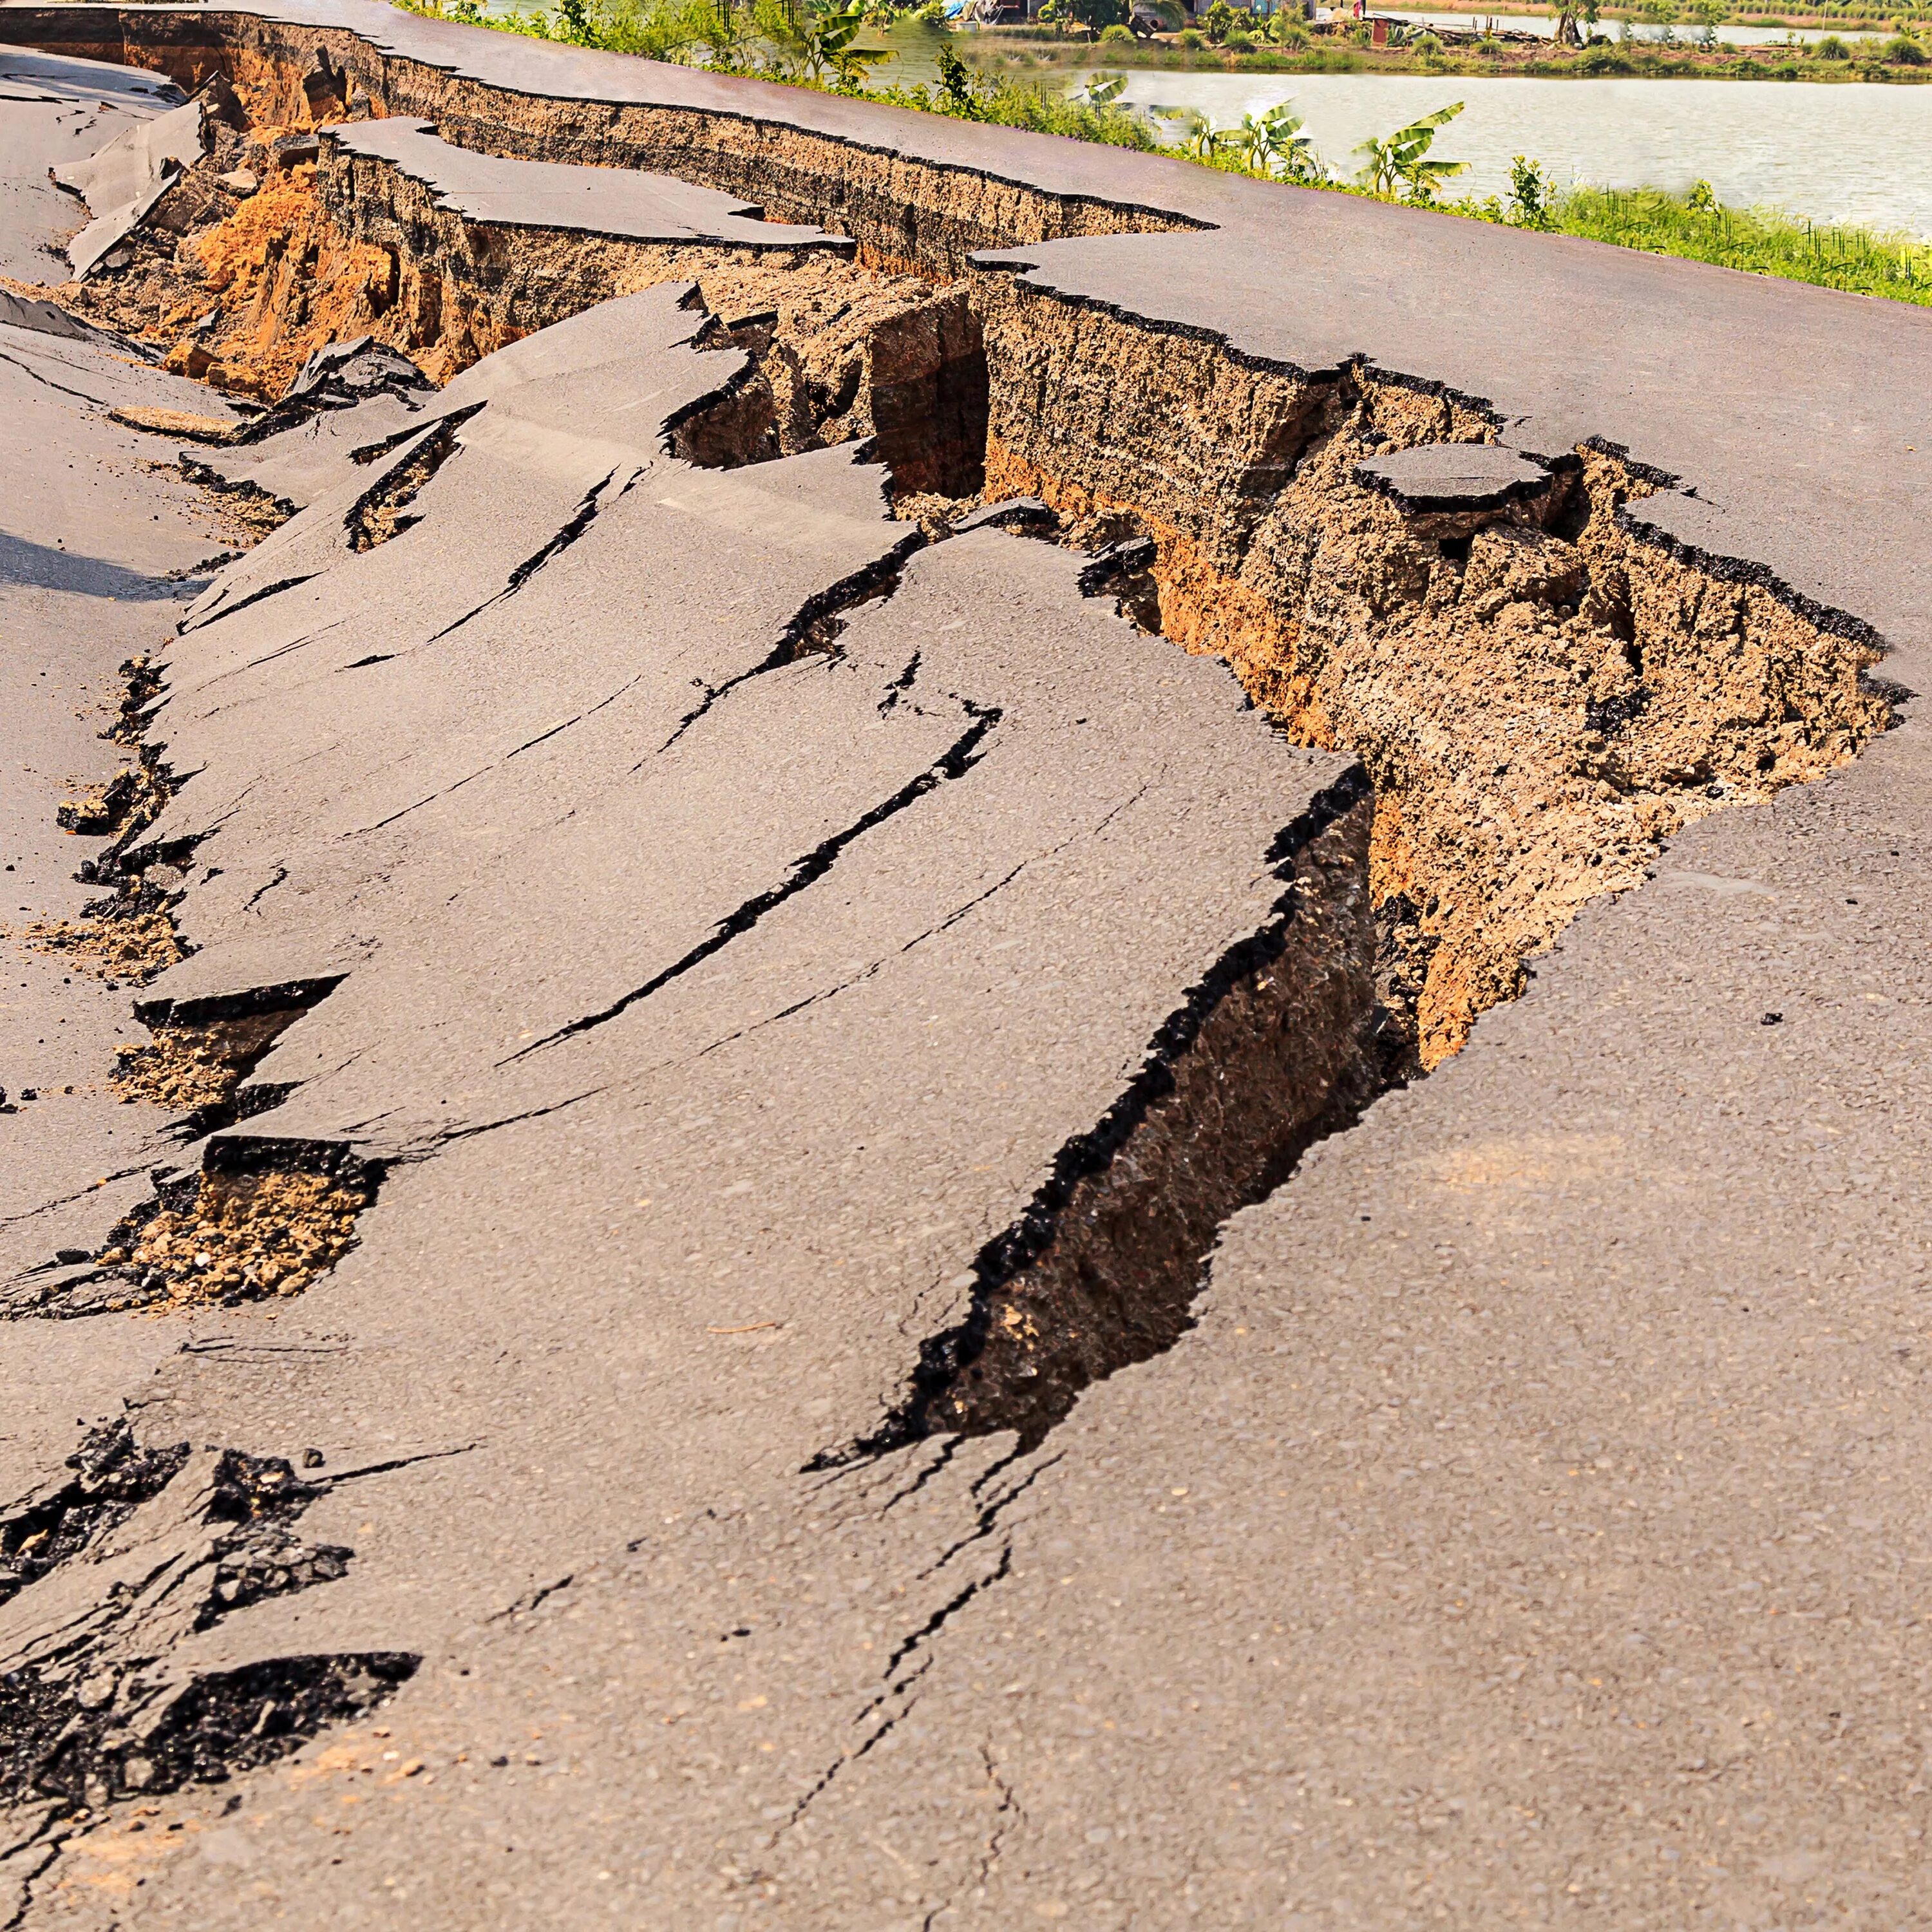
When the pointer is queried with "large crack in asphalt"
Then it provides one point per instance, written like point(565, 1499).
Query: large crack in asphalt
point(1272, 1048)
point(1101, 1268)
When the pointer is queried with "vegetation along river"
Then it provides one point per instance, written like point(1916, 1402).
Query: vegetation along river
point(1852, 153)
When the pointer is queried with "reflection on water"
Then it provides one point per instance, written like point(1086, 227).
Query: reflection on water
point(1852, 152)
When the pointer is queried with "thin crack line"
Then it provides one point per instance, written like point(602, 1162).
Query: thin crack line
point(959, 760)
point(870, 584)
point(945, 925)
point(254, 597)
point(78, 395)
point(80, 1193)
point(281, 873)
point(581, 520)
point(989, 1517)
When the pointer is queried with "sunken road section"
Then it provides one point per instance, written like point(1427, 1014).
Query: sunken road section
point(713, 932)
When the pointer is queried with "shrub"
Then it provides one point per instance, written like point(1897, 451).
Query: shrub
point(1115, 34)
point(1193, 39)
point(1600, 58)
point(1240, 42)
point(1830, 48)
point(1904, 51)
point(1530, 198)
point(1294, 35)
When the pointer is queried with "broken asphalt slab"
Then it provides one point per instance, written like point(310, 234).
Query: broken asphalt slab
point(751, 949)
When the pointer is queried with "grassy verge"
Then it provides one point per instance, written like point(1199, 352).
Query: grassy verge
point(1757, 241)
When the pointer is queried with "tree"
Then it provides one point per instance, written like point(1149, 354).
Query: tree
point(1218, 22)
point(1095, 14)
point(1574, 18)
point(1403, 161)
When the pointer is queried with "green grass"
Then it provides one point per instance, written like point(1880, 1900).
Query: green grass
point(1758, 241)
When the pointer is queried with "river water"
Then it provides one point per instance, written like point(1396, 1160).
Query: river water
point(1851, 151)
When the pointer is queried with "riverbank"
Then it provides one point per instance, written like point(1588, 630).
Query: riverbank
point(1836, 17)
point(1755, 147)
point(1348, 50)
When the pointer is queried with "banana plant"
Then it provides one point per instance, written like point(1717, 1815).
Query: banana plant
point(1273, 143)
point(1102, 90)
point(825, 38)
point(1199, 136)
point(1401, 160)
point(839, 30)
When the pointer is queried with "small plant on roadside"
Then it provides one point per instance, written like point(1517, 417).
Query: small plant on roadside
point(1200, 140)
point(955, 82)
point(1529, 194)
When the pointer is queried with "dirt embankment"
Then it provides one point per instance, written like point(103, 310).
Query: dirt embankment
point(1540, 694)
point(904, 214)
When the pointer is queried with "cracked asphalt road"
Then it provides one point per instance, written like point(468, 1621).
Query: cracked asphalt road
point(1531, 1527)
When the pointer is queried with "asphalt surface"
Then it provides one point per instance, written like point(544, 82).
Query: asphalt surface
point(579, 200)
point(98, 556)
point(1533, 1529)
point(58, 111)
